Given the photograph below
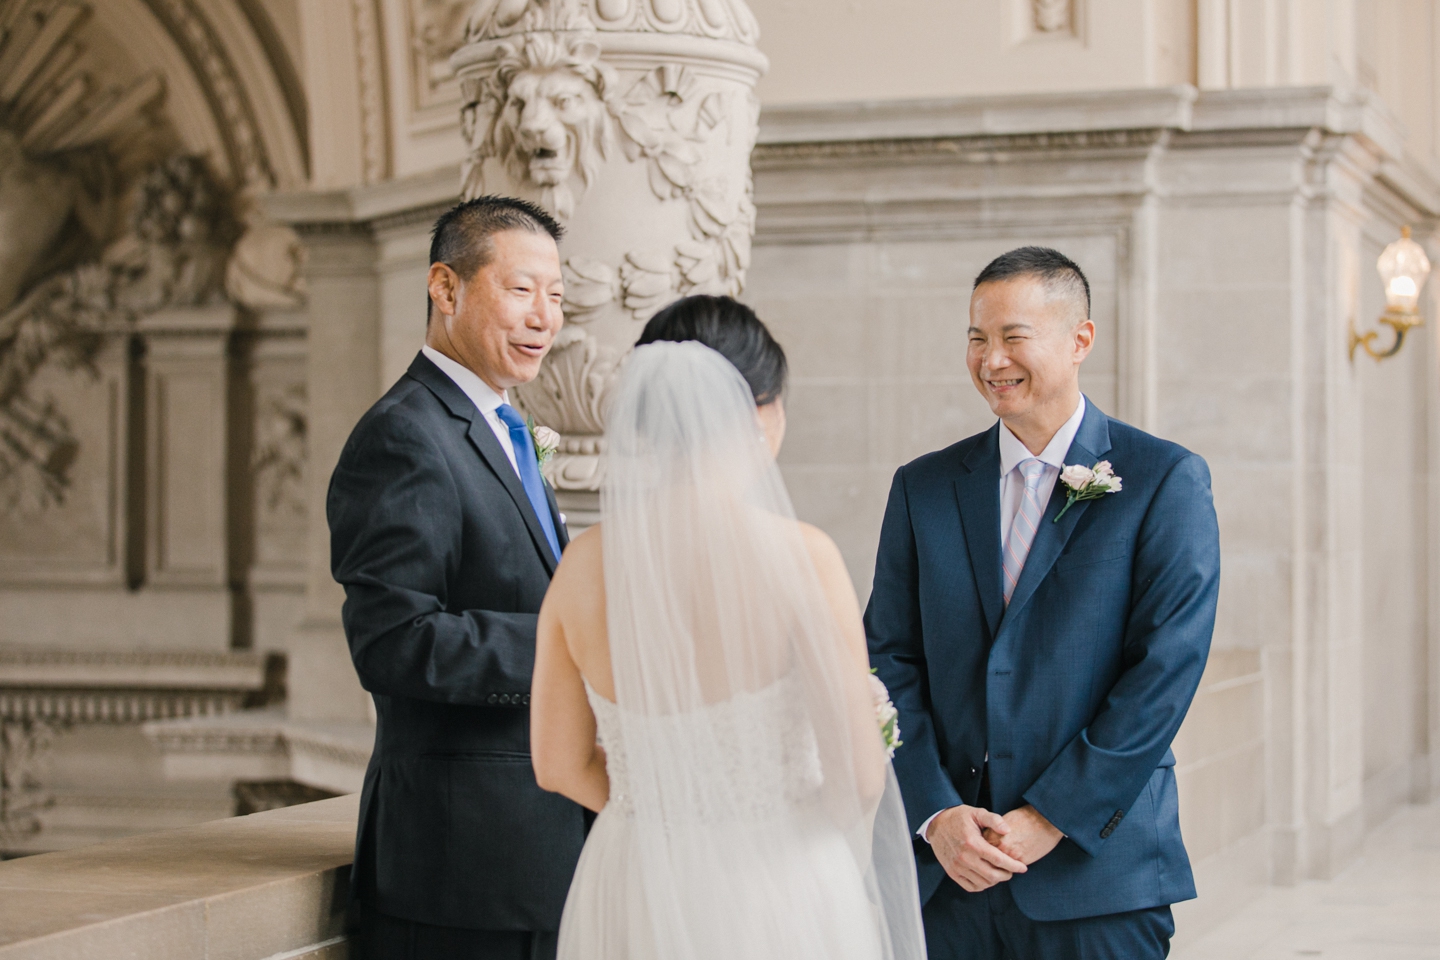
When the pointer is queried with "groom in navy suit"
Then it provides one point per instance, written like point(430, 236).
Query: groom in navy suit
point(1043, 658)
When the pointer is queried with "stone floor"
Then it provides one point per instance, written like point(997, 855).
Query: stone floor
point(1384, 907)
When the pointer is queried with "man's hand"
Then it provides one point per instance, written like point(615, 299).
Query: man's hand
point(1028, 835)
point(957, 836)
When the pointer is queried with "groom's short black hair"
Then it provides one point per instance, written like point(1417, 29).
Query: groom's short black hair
point(1058, 272)
point(461, 237)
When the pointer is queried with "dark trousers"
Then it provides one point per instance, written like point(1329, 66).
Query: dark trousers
point(989, 926)
point(382, 937)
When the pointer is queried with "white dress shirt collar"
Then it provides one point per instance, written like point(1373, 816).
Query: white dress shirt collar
point(486, 400)
point(1012, 451)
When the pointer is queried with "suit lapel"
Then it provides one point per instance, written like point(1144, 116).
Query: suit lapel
point(1092, 441)
point(482, 438)
point(978, 494)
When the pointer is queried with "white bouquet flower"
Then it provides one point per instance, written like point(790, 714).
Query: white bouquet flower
point(886, 715)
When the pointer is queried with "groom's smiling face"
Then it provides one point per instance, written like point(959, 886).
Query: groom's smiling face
point(1027, 341)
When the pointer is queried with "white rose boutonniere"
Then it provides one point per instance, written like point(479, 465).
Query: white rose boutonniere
point(1087, 483)
point(546, 442)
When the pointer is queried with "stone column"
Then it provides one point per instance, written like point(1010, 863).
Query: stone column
point(632, 121)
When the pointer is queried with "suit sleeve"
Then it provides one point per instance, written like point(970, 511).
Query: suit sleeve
point(897, 652)
point(395, 540)
point(1174, 586)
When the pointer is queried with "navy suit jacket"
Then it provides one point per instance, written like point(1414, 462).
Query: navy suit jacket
point(1077, 689)
point(444, 565)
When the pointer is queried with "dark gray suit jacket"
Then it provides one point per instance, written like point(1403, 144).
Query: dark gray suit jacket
point(444, 565)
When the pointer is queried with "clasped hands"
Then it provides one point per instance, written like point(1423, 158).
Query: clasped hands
point(979, 849)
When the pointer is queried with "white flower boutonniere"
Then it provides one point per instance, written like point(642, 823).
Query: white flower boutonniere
point(546, 442)
point(1087, 483)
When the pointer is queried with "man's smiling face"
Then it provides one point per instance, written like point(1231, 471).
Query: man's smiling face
point(1026, 345)
point(504, 319)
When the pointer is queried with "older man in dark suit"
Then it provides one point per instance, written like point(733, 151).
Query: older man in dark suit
point(1044, 598)
point(445, 537)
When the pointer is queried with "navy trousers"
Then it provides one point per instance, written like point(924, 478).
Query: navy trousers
point(989, 926)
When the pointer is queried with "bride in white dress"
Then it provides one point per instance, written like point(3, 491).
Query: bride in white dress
point(701, 681)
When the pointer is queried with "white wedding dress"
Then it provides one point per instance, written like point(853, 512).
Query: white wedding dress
point(751, 814)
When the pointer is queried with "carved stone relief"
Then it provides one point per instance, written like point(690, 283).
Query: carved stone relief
point(118, 254)
point(437, 30)
point(24, 750)
point(279, 463)
point(641, 144)
point(374, 124)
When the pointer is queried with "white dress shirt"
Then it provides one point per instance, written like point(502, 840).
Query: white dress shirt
point(486, 400)
point(1012, 491)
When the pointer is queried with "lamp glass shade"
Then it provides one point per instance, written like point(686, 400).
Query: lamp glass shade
point(1403, 268)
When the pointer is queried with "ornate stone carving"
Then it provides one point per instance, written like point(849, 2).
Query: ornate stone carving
point(632, 120)
point(569, 396)
point(715, 19)
point(24, 750)
point(267, 267)
point(374, 127)
point(548, 122)
point(279, 464)
point(190, 28)
point(172, 253)
point(437, 29)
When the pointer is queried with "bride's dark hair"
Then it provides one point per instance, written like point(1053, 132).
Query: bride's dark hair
point(732, 330)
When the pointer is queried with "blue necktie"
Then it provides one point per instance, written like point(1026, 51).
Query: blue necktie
point(529, 469)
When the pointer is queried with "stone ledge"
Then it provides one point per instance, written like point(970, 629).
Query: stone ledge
point(261, 744)
point(249, 888)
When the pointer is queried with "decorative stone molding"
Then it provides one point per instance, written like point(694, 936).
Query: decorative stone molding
point(186, 22)
point(329, 756)
point(374, 124)
point(45, 690)
point(633, 122)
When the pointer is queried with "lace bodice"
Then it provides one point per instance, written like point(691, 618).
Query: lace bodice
point(768, 759)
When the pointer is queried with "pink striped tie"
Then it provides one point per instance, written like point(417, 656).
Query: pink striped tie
point(1023, 527)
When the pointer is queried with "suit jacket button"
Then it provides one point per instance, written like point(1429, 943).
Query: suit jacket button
point(525, 700)
point(504, 698)
point(492, 699)
point(1105, 834)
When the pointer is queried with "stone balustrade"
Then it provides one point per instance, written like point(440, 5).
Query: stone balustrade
point(264, 887)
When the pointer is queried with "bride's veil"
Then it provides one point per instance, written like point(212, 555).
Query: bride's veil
point(767, 819)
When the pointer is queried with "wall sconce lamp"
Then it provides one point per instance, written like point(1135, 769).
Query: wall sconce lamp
point(1403, 267)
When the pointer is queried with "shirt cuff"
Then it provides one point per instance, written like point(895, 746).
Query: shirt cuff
point(924, 832)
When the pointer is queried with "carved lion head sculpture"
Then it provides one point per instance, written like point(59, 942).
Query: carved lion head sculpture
point(552, 122)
